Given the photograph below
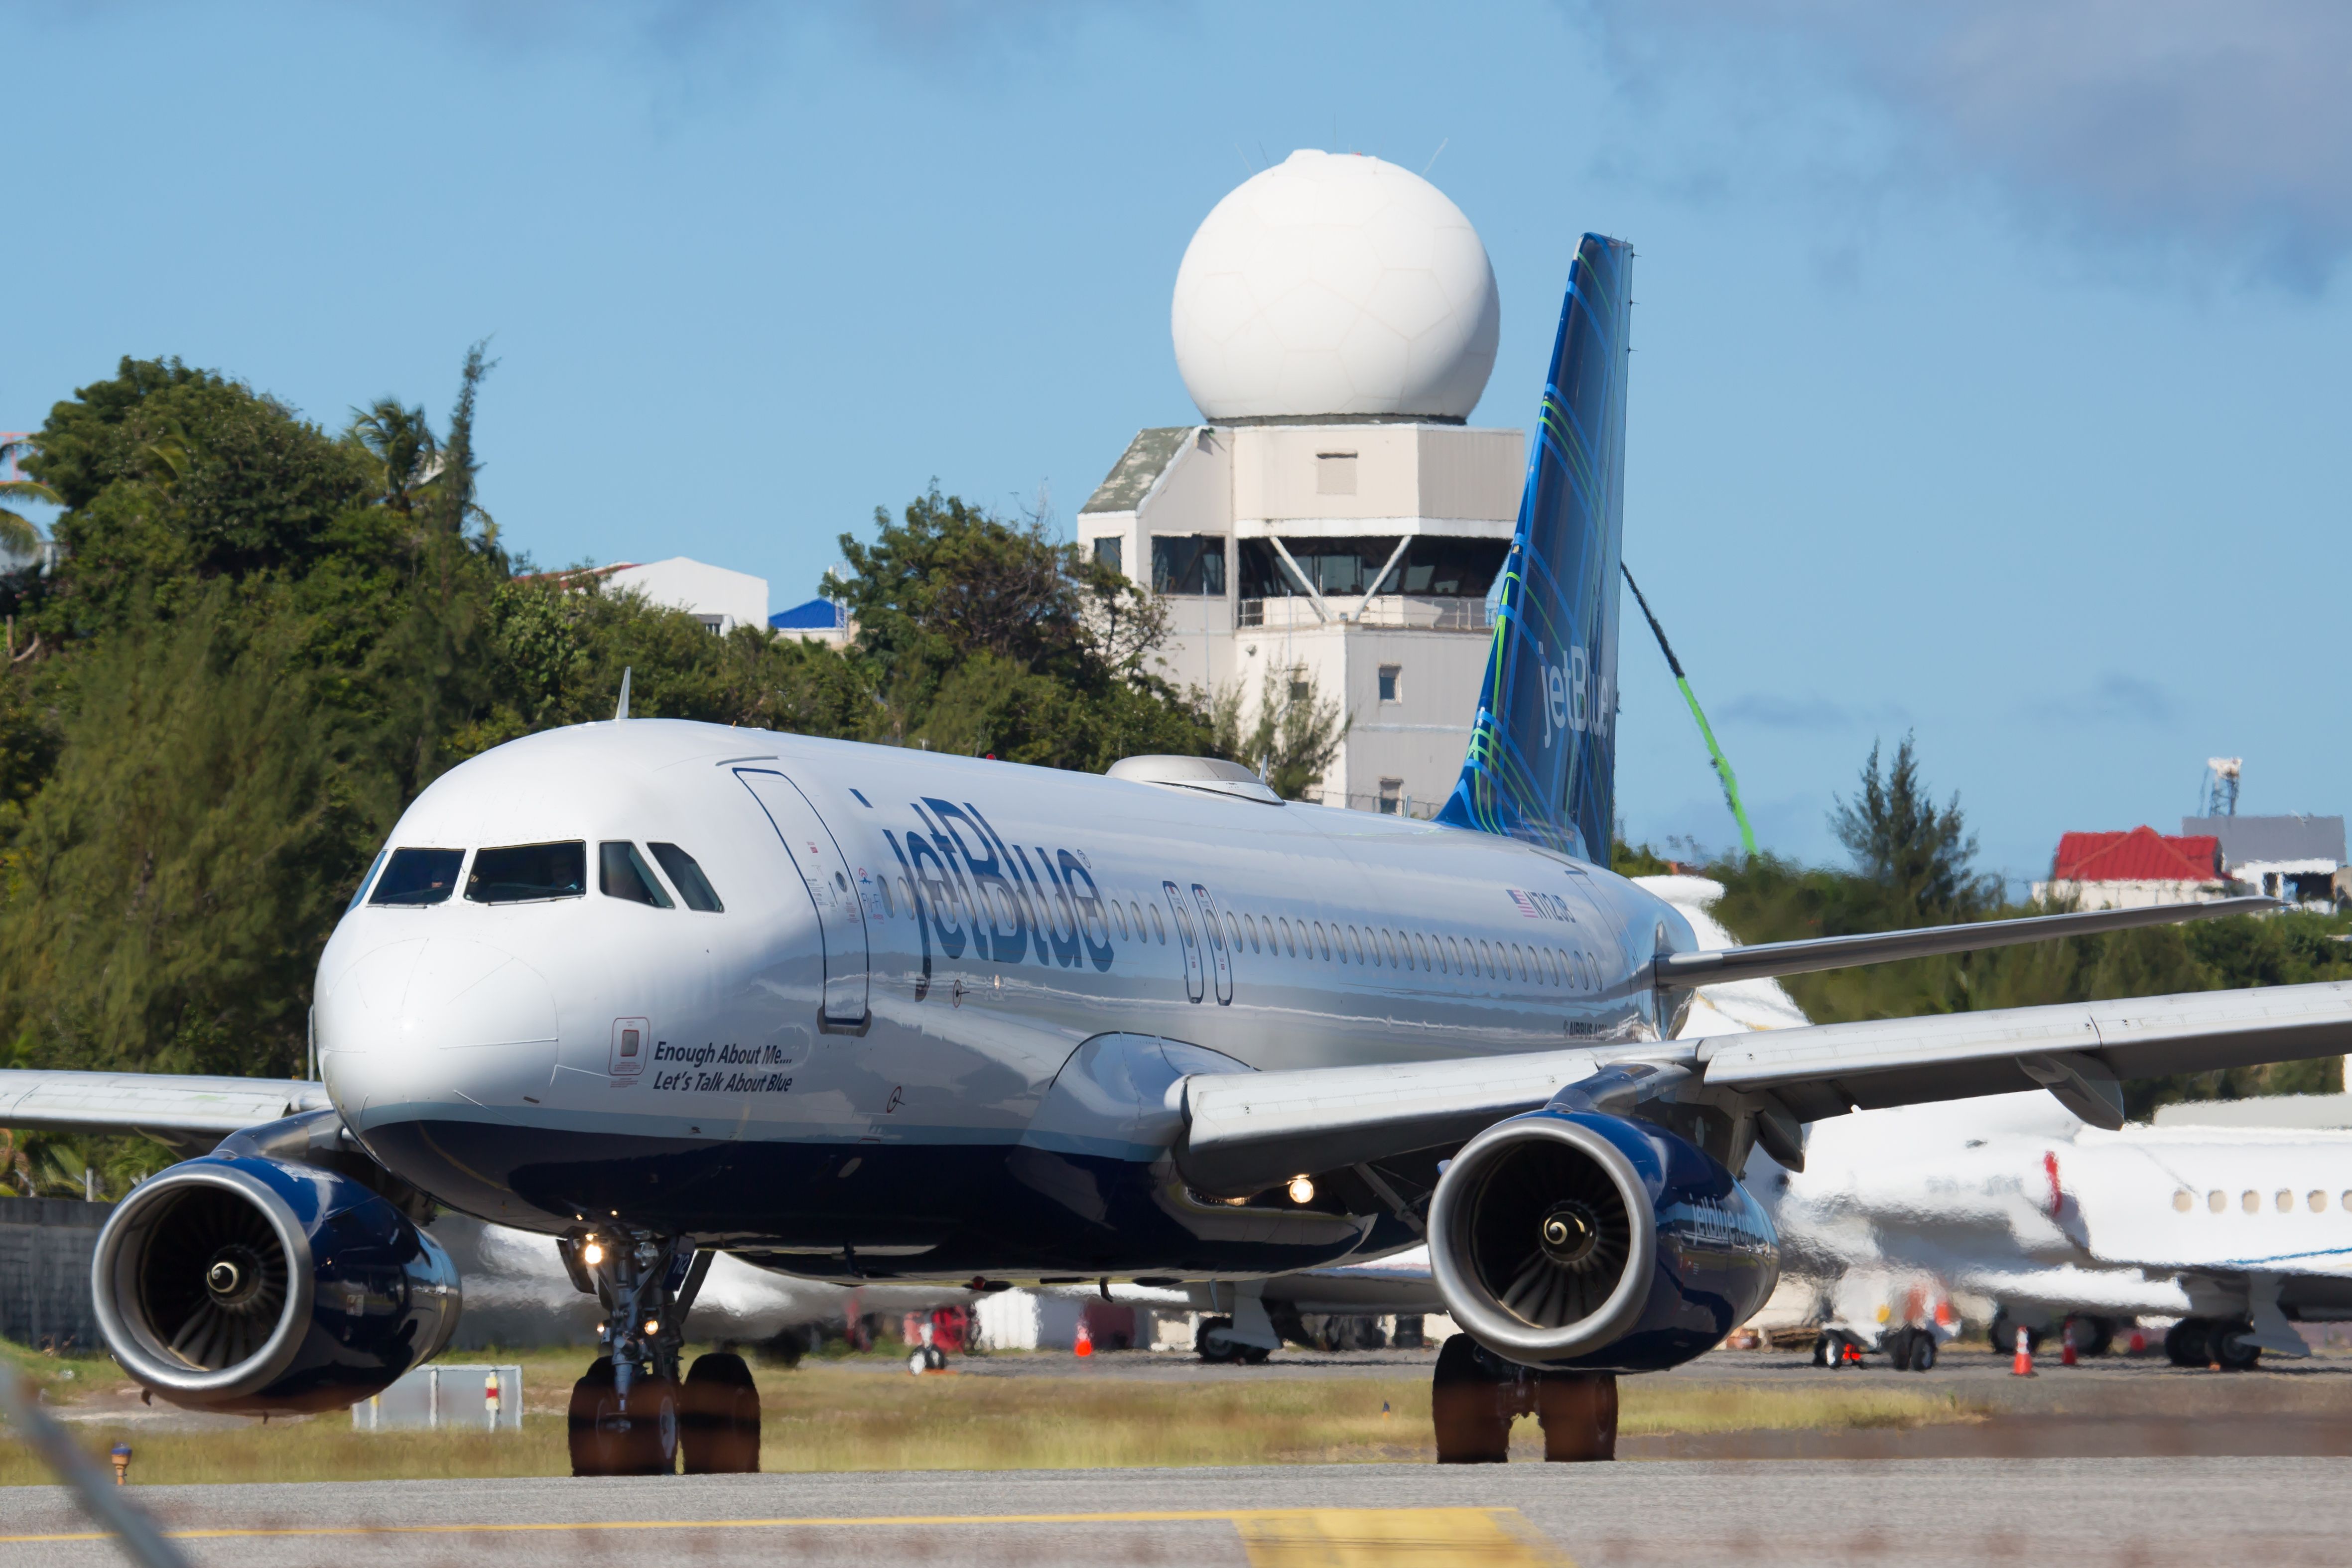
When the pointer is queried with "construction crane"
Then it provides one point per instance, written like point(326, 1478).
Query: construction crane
point(1707, 732)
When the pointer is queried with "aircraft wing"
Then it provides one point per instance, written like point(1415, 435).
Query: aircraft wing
point(187, 1114)
point(1811, 953)
point(1247, 1132)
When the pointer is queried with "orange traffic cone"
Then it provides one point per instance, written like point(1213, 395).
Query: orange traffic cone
point(2066, 1344)
point(1086, 1345)
point(2024, 1366)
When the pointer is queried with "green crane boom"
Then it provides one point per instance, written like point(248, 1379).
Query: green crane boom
point(1707, 732)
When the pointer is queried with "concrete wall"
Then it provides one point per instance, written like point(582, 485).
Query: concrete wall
point(44, 1252)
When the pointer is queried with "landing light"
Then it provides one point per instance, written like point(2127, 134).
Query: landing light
point(653, 1325)
point(1302, 1191)
point(592, 1254)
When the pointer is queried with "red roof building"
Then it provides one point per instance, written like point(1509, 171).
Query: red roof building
point(2134, 869)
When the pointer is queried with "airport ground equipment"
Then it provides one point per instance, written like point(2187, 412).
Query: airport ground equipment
point(657, 989)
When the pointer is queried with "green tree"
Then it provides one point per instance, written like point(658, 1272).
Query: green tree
point(18, 534)
point(1917, 853)
point(1293, 735)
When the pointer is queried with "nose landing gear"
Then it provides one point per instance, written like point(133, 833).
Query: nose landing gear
point(632, 1415)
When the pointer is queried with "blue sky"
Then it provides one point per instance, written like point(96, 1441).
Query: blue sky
point(1992, 371)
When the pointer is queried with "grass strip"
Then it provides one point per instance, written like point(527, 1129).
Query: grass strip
point(822, 1418)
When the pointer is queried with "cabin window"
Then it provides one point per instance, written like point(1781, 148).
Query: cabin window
point(1323, 941)
point(2251, 1202)
point(2182, 1202)
point(686, 876)
point(1421, 947)
point(2215, 1202)
point(2285, 1200)
point(889, 903)
point(1159, 926)
point(2346, 1199)
point(529, 873)
point(622, 873)
point(2318, 1200)
point(1233, 930)
point(1454, 955)
point(1121, 915)
point(1387, 939)
point(1250, 925)
point(418, 876)
point(1486, 958)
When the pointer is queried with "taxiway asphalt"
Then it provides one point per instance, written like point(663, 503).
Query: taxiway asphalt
point(2148, 1512)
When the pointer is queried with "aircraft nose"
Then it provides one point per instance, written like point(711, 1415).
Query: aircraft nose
point(436, 1018)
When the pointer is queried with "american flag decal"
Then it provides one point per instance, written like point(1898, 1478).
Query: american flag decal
point(1527, 905)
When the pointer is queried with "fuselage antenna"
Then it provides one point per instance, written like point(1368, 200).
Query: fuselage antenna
point(621, 711)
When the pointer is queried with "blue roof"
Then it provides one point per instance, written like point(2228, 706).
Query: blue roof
point(816, 615)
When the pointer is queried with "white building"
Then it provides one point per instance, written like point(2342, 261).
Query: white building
point(1334, 524)
point(720, 598)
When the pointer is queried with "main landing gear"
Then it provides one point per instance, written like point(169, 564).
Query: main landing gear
point(632, 1415)
point(1474, 1396)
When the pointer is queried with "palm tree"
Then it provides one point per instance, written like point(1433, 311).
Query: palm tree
point(401, 443)
point(18, 534)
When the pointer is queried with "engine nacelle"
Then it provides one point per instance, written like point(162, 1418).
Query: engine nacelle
point(1570, 1238)
point(243, 1284)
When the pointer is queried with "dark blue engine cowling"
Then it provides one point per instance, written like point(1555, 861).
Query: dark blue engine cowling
point(1568, 1238)
point(239, 1283)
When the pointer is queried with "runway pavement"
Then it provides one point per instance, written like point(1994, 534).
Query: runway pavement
point(2079, 1513)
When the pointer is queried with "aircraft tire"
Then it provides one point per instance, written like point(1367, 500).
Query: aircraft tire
point(1897, 1346)
point(2189, 1342)
point(719, 1417)
point(1923, 1352)
point(2093, 1336)
point(1829, 1351)
point(606, 1440)
point(2231, 1357)
point(1466, 1407)
point(1211, 1346)
point(1577, 1412)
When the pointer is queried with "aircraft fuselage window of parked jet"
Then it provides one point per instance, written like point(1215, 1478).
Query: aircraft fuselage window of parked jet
point(854, 1011)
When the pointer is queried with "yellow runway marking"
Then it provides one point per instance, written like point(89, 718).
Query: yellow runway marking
point(1274, 1538)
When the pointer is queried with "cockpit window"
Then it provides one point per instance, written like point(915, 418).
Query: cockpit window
point(687, 879)
point(418, 876)
point(622, 873)
point(361, 891)
point(523, 873)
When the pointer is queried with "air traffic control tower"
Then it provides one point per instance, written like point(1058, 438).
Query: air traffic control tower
point(1334, 525)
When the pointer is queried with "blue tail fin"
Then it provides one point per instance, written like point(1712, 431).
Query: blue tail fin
point(1543, 751)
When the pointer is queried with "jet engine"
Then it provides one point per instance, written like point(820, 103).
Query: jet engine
point(1575, 1239)
point(251, 1285)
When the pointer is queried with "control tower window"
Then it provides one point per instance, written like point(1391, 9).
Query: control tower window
point(527, 873)
point(1111, 552)
point(1191, 563)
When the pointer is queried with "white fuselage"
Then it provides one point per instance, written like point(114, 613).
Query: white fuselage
point(912, 946)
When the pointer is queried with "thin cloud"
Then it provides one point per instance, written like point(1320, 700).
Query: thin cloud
point(1770, 712)
point(2223, 132)
point(2117, 698)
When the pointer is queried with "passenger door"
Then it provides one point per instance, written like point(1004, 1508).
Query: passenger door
point(826, 872)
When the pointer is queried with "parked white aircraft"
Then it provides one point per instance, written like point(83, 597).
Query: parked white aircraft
point(666, 990)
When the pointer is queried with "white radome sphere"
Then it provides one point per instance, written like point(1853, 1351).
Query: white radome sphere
point(1336, 284)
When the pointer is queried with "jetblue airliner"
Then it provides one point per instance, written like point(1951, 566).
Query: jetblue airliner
point(660, 990)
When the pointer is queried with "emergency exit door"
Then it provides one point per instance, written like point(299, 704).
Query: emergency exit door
point(826, 874)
